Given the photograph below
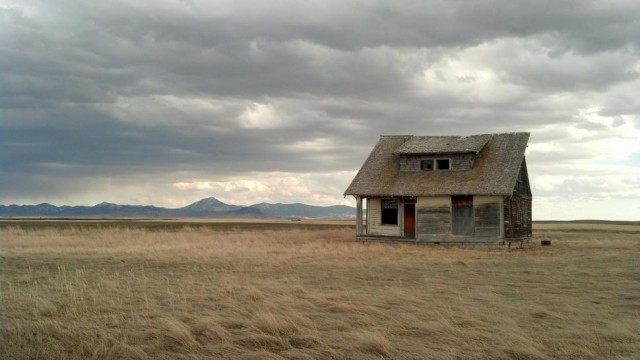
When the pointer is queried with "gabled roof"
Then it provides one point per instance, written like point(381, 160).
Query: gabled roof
point(494, 172)
point(424, 145)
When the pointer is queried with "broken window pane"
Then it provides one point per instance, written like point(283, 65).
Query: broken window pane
point(426, 165)
point(389, 212)
point(443, 164)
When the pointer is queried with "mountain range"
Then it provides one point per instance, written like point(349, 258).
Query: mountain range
point(208, 208)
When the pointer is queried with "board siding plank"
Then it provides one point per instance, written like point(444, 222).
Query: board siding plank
point(462, 214)
point(434, 220)
point(487, 217)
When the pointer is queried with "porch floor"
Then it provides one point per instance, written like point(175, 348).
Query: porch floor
point(462, 242)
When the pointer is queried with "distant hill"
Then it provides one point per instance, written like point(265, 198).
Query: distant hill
point(208, 207)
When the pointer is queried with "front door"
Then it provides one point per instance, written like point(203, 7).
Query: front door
point(410, 220)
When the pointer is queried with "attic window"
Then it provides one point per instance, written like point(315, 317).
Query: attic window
point(443, 164)
point(435, 164)
point(426, 165)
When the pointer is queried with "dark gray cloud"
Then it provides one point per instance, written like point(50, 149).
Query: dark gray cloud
point(194, 96)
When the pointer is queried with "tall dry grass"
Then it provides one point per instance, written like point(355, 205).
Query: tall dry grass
point(293, 294)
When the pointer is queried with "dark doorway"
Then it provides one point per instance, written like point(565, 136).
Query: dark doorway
point(410, 220)
point(462, 215)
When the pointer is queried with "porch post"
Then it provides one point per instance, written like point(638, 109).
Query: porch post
point(358, 215)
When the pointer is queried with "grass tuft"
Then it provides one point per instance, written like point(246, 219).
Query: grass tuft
point(44, 307)
point(271, 324)
point(210, 330)
point(174, 335)
point(120, 351)
point(373, 342)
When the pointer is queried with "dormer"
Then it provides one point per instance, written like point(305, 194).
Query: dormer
point(440, 153)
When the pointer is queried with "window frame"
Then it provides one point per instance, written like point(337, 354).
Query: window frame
point(383, 218)
point(437, 163)
point(424, 161)
point(435, 166)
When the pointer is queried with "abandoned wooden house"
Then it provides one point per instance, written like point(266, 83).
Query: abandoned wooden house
point(445, 189)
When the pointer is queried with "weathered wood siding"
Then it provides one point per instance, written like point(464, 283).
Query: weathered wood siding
point(433, 221)
point(458, 162)
point(374, 226)
point(462, 218)
point(517, 208)
point(487, 216)
point(433, 217)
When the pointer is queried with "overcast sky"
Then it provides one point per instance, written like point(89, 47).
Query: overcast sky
point(167, 102)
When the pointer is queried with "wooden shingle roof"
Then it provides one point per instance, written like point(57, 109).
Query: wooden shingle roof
point(494, 172)
point(443, 144)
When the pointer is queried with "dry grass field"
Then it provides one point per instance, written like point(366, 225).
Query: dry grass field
point(103, 292)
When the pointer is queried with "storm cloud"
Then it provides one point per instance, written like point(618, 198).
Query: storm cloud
point(166, 102)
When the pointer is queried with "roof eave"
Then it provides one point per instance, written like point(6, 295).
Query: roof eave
point(423, 195)
point(436, 153)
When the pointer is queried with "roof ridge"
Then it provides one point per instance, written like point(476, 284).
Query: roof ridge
point(459, 136)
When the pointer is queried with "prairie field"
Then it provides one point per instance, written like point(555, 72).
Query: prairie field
point(101, 291)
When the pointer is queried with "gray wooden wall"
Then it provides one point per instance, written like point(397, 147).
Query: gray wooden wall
point(374, 226)
point(433, 221)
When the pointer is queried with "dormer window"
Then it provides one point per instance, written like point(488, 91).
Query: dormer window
point(426, 164)
point(443, 164)
point(435, 164)
point(440, 153)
